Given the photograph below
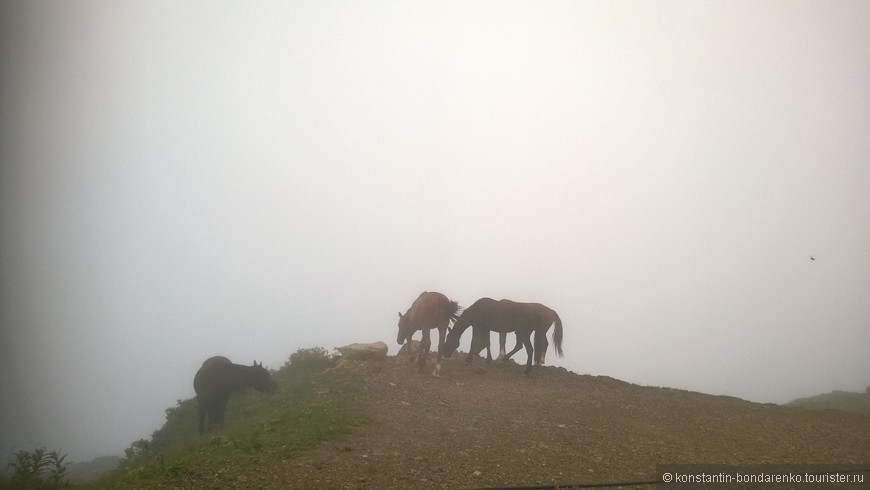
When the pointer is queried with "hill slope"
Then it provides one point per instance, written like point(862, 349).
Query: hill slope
point(835, 400)
point(89, 470)
point(488, 425)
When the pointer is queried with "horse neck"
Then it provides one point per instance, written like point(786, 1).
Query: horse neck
point(461, 325)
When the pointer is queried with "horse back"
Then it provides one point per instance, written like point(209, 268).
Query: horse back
point(431, 307)
point(215, 376)
point(216, 360)
point(488, 314)
point(546, 315)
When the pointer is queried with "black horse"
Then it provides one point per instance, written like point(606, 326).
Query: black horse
point(217, 378)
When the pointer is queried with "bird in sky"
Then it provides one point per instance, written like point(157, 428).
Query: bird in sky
point(812, 258)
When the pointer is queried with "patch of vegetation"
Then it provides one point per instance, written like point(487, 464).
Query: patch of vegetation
point(836, 400)
point(309, 407)
point(37, 469)
point(311, 359)
point(82, 471)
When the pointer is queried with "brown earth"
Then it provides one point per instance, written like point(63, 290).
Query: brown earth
point(487, 425)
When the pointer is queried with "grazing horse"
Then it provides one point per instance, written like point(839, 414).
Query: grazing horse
point(217, 378)
point(545, 317)
point(429, 310)
point(487, 314)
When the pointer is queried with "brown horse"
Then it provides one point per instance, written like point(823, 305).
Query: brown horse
point(545, 317)
point(487, 314)
point(217, 378)
point(429, 310)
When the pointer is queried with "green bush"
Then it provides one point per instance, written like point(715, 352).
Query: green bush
point(310, 359)
point(138, 450)
point(38, 469)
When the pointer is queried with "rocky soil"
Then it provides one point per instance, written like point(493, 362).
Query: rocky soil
point(487, 425)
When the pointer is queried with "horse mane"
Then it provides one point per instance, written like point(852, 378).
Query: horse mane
point(453, 311)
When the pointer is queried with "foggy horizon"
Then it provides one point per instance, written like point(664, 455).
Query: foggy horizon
point(180, 181)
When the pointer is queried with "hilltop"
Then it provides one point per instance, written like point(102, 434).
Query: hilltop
point(386, 426)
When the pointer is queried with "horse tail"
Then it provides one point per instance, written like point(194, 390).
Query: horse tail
point(557, 334)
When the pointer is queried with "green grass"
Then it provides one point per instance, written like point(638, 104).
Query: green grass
point(309, 407)
point(836, 400)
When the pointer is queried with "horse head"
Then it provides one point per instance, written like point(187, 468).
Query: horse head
point(404, 326)
point(451, 343)
point(262, 380)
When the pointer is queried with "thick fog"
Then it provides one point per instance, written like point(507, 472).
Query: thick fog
point(686, 183)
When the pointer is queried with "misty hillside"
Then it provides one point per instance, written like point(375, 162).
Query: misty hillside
point(380, 424)
point(685, 183)
point(835, 400)
point(83, 471)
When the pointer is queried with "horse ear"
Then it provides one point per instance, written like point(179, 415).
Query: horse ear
point(400, 314)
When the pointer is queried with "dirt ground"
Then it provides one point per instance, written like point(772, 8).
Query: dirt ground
point(487, 425)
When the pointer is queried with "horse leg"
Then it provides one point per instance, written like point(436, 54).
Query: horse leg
point(544, 346)
point(410, 344)
point(515, 349)
point(220, 409)
point(477, 343)
point(527, 342)
point(202, 414)
point(474, 342)
point(442, 334)
point(541, 345)
point(425, 343)
point(502, 342)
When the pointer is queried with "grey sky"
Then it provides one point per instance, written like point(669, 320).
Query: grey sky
point(188, 179)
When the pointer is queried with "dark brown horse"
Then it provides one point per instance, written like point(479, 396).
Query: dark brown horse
point(544, 317)
point(487, 314)
point(217, 378)
point(430, 310)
